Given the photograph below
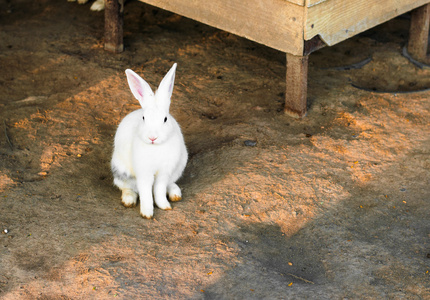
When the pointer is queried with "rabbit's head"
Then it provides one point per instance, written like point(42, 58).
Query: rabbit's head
point(156, 124)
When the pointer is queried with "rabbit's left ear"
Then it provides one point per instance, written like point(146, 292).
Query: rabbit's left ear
point(165, 89)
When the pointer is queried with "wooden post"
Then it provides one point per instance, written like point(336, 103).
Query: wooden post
point(419, 33)
point(114, 20)
point(297, 86)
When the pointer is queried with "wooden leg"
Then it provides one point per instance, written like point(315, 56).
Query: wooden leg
point(419, 33)
point(297, 86)
point(114, 12)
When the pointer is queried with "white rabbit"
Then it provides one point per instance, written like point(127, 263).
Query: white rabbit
point(149, 151)
point(98, 5)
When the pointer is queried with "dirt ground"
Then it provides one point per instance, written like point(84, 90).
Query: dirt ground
point(333, 206)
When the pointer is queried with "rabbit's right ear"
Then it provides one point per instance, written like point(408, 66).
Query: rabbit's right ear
point(139, 87)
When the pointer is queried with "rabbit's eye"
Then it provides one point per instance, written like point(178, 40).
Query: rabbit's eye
point(143, 118)
point(165, 119)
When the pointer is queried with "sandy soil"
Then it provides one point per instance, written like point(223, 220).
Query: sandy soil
point(334, 206)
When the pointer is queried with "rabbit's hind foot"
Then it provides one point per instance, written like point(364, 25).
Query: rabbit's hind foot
point(128, 198)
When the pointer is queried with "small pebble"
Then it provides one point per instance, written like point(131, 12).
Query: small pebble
point(5, 231)
point(403, 190)
point(250, 143)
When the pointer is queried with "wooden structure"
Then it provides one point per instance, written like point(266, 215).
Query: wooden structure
point(296, 27)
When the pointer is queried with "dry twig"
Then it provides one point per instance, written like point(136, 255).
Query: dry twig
point(300, 278)
point(7, 137)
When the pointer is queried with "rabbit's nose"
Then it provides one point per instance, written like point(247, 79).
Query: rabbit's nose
point(152, 139)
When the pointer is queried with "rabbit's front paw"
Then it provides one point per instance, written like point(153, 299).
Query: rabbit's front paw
point(160, 197)
point(175, 198)
point(146, 204)
point(163, 203)
point(147, 213)
point(129, 198)
point(174, 192)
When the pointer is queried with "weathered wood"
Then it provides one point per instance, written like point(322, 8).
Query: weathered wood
point(274, 23)
point(114, 21)
point(297, 27)
point(337, 20)
point(297, 86)
point(419, 33)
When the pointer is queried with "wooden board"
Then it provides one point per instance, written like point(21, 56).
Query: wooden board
point(274, 23)
point(419, 34)
point(285, 24)
point(296, 27)
point(298, 2)
point(337, 20)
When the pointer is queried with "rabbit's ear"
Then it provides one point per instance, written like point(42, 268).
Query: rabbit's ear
point(165, 89)
point(139, 87)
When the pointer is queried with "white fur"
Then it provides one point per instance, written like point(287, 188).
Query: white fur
point(149, 154)
point(98, 5)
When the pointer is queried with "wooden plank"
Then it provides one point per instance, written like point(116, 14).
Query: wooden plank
point(297, 86)
point(274, 23)
point(114, 11)
point(337, 20)
point(310, 3)
point(419, 33)
point(298, 2)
